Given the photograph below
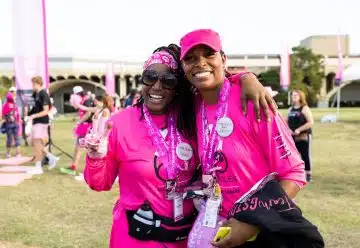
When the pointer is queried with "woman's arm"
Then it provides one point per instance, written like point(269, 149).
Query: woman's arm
point(101, 171)
point(309, 120)
point(253, 90)
point(87, 109)
point(85, 117)
point(286, 118)
point(278, 146)
point(105, 113)
point(43, 113)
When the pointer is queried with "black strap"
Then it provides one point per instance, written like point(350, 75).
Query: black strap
point(160, 233)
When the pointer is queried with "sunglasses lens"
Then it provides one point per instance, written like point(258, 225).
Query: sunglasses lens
point(169, 81)
point(150, 77)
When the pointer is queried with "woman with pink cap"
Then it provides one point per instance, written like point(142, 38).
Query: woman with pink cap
point(151, 148)
point(235, 152)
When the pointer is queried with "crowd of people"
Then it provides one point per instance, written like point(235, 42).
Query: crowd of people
point(191, 154)
point(31, 122)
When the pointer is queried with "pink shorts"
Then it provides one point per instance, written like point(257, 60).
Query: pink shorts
point(39, 131)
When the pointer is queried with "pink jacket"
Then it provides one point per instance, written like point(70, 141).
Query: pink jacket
point(131, 157)
point(10, 106)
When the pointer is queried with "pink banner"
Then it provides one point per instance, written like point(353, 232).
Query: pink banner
point(29, 43)
point(110, 79)
point(285, 70)
point(340, 70)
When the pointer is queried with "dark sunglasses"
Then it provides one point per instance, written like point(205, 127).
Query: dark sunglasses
point(151, 77)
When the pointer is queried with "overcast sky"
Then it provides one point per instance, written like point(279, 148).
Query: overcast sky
point(132, 29)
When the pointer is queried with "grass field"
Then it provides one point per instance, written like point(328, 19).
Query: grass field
point(53, 210)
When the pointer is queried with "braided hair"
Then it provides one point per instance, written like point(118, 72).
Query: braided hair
point(184, 98)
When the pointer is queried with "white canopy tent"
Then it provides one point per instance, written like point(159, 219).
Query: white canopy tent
point(352, 73)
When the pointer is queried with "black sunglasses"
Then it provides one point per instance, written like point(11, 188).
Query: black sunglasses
point(151, 77)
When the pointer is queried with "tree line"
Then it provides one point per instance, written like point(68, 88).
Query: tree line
point(307, 72)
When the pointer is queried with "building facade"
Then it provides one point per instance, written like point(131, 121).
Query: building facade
point(65, 72)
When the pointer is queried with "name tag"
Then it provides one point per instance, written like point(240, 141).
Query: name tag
point(211, 212)
point(178, 207)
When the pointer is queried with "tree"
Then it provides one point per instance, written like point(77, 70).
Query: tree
point(5, 84)
point(307, 72)
point(272, 78)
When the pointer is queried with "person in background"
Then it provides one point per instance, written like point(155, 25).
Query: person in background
point(130, 99)
point(117, 104)
point(82, 126)
point(103, 110)
point(300, 121)
point(136, 98)
point(39, 115)
point(53, 110)
point(104, 106)
point(272, 93)
point(51, 158)
point(12, 123)
point(88, 94)
point(24, 113)
point(122, 103)
point(111, 103)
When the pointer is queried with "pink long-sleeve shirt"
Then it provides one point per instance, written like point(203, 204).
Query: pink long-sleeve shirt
point(131, 157)
point(253, 150)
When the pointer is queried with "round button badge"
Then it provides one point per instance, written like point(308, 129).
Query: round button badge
point(184, 151)
point(224, 126)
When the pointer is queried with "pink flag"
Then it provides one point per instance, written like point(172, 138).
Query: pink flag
point(29, 43)
point(285, 70)
point(339, 73)
point(110, 79)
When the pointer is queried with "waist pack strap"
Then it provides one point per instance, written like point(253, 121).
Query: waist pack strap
point(163, 229)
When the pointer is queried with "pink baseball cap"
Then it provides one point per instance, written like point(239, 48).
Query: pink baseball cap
point(206, 37)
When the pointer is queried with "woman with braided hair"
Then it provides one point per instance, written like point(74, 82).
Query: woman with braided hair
point(151, 148)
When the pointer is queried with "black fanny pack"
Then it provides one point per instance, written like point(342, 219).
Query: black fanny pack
point(144, 224)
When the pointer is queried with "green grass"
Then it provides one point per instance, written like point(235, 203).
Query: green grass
point(53, 210)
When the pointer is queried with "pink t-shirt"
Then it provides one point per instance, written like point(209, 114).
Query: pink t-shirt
point(252, 151)
point(131, 156)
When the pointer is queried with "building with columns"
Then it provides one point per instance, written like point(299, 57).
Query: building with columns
point(66, 72)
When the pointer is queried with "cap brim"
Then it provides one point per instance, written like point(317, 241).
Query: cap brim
point(274, 93)
point(183, 54)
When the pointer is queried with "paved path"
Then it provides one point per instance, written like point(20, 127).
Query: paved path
point(13, 172)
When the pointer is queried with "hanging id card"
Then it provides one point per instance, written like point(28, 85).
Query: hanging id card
point(178, 207)
point(212, 208)
point(170, 189)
